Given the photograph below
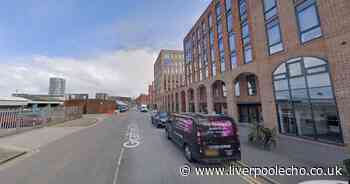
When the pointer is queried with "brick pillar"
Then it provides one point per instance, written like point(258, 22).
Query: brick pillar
point(210, 100)
point(196, 100)
point(231, 101)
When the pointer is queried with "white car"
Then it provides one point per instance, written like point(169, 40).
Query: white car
point(144, 108)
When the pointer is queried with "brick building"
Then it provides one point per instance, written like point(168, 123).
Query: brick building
point(152, 95)
point(168, 76)
point(143, 99)
point(282, 63)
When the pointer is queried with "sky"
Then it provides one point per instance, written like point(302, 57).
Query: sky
point(97, 45)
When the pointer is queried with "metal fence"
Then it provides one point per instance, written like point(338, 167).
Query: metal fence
point(16, 120)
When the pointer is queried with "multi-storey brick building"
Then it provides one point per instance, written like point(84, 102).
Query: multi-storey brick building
point(282, 63)
point(168, 76)
point(151, 94)
point(142, 99)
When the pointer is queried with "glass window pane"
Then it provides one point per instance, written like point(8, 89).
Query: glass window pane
point(276, 48)
point(299, 94)
point(286, 118)
point(237, 89)
point(232, 42)
point(327, 122)
point(280, 69)
point(271, 14)
point(295, 69)
point(282, 95)
point(312, 34)
point(276, 77)
point(274, 34)
point(233, 60)
point(297, 83)
point(228, 5)
point(248, 55)
point(308, 18)
point(321, 93)
point(312, 62)
point(303, 116)
point(229, 22)
point(281, 85)
point(318, 80)
point(245, 30)
point(268, 4)
point(316, 70)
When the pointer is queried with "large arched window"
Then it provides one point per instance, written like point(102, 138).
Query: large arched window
point(305, 101)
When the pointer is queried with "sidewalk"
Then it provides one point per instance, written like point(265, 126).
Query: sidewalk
point(35, 139)
point(290, 152)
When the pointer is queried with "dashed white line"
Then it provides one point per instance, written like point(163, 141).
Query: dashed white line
point(115, 179)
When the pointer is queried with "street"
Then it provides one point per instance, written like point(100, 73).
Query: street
point(96, 155)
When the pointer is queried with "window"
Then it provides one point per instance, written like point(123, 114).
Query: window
point(308, 20)
point(222, 55)
point(251, 83)
point(213, 68)
point(210, 21)
point(229, 23)
point(272, 25)
point(218, 10)
point(305, 100)
point(237, 89)
point(243, 13)
point(228, 5)
point(232, 37)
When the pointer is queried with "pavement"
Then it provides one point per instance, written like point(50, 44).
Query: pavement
point(97, 155)
point(301, 155)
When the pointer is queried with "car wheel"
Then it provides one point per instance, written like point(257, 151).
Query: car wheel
point(188, 153)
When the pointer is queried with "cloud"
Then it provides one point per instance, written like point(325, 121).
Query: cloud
point(122, 72)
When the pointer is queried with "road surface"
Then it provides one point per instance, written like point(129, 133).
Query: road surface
point(97, 156)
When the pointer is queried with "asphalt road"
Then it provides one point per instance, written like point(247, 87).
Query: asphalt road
point(97, 156)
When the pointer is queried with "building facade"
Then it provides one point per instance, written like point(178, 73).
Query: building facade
point(151, 93)
point(168, 76)
point(57, 86)
point(143, 99)
point(282, 63)
point(102, 96)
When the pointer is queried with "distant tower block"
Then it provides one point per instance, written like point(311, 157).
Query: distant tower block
point(57, 86)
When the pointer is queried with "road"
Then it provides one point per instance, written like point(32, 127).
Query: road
point(97, 156)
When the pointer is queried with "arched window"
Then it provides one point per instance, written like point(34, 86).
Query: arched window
point(306, 105)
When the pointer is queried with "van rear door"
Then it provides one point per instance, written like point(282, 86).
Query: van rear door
point(218, 136)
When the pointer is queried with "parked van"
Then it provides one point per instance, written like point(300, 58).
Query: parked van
point(207, 138)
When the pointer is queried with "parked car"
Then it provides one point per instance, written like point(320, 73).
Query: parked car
point(144, 108)
point(159, 119)
point(29, 120)
point(123, 108)
point(207, 138)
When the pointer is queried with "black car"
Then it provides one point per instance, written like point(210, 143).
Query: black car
point(207, 138)
point(159, 119)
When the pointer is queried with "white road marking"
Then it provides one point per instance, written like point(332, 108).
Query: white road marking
point(115, 179)
point(133, 136)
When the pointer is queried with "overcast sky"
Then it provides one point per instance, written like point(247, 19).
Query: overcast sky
point(96, 45)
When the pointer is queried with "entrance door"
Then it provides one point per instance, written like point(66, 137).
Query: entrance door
point(250, 113)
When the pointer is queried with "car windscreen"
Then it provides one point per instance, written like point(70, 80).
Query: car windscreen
point(216, 128)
